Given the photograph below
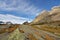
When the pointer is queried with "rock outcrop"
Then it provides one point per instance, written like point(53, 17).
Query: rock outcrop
point(39, 18)
point(48, 16)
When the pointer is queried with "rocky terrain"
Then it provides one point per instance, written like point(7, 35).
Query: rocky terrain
point(46, 26)
point(48, 16)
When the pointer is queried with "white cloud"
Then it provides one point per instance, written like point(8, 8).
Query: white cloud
point(12, 18)
point(19, 5)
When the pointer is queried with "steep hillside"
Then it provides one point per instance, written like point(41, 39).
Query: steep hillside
point(42, 15)
point(47, 17)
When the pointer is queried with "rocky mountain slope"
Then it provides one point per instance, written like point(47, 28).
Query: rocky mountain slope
point(47, 17)
point(43, 14)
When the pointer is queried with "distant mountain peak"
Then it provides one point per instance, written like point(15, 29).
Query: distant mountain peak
point(44, 11)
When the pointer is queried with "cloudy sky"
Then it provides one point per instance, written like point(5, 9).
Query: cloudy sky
point(19, 11)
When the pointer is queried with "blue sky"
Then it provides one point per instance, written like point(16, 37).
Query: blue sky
point(24, 10)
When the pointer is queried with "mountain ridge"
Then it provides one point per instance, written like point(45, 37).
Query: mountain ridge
point(48, 16)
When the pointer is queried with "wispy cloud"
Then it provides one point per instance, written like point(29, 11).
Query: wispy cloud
point(13, 19)
point(19, 5)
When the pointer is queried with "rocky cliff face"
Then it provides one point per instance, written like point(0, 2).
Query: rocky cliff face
point(56, 12)
point(43, 14)
point(46, 17)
